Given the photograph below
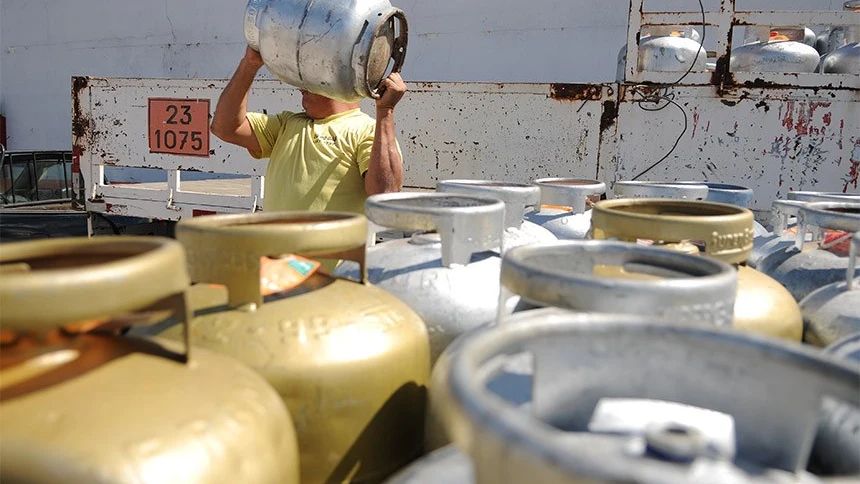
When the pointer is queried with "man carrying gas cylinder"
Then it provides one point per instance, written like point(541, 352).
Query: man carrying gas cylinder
point(330, 157)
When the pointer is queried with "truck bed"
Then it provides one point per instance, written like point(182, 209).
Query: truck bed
point(233, 186)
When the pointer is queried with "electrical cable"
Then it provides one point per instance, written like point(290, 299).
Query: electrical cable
point(664, 94)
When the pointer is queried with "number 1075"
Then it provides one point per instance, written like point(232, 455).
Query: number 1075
point(171, 139)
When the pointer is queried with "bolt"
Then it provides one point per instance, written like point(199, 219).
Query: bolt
point(676, 442)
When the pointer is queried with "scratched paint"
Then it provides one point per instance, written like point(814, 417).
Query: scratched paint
point(767, 139)
point(770, 140)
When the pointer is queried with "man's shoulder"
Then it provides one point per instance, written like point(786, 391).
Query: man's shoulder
point(358, 121)
point(280, 116)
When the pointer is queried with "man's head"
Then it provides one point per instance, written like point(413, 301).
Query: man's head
point(318, 107)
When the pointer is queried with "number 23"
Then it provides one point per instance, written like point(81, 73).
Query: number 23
point(174, 110)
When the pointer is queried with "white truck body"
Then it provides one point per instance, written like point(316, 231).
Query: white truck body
point(771, 132)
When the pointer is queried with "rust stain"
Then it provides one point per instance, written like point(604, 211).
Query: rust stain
point(695, 121)
point(853, 175)
point(722, 75)
point(841, 131)
point(788, 120)
point(608, 116)
point(800, 118)
point(80, 120)
point(853, 169)
point(575, 92)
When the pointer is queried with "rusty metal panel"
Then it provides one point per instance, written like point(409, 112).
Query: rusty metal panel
point(771, 140)
point(515, 132)
point(116, 123)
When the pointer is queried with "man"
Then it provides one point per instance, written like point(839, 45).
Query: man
point(328, 158)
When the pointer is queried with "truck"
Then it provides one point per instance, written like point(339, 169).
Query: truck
point(772, 132)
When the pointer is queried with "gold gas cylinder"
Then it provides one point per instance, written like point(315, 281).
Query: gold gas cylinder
point(721, 231)
point(350, 360)
point(80, 403)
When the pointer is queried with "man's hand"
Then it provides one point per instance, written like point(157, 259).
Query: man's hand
point(253, 58)
point(393, 89)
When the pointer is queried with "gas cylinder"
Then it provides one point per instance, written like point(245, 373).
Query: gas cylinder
point(845, 59)
point(778, 50)
point(782, 236)
point(847, 348)
point(565, 206)
point(448, 276)
point(447, 465)
point(341, 50)
point(598, 276)
point(661, 189)
point(667, 49)
point(519, 199)
point(810, 196)
point(808, 37)
point(719, 230)
point(80, 403)
point(807, 266)
point(724, 193)
point(350, 360)
point(783, 221)
point(690, 190)
point(833, 311)
point(623, 398)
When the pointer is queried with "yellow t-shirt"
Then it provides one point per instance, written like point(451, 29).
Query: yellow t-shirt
point(314, 165)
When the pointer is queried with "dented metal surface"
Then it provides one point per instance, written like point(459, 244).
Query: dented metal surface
point(771, 139)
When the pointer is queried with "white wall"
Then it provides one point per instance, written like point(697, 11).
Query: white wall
point(45, 42)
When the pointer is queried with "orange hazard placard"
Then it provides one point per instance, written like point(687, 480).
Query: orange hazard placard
point(179, 126)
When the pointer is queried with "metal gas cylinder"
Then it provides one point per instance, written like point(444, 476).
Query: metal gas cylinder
point(350, 360)
point(809, 196)
point(847, 348)
point(783, 221)
point(779, 50)
point(81, 404)
point(447, 465)
point(733, 194)
point(450, 275)
point(661, 189)
point(616, 277)
point(632, 399)
point(782, 236)
point(725, 193)
point(845, 59)
point(565, 206)
point(667, 49)
point(809, 36)
point(807, 266)
point(719, 230)
point(597, 276)
point(822, 42)
point(519, 199)
point(337, 49)
point(832, 312)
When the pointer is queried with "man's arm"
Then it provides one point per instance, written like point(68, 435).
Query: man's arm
point(229, 122)
point(385, 169)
